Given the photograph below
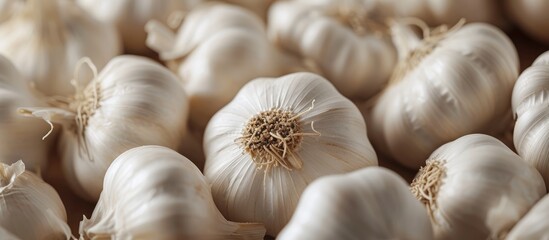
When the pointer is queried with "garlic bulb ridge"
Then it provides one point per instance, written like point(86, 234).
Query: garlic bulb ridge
point(45, 39)
point(30, 208)
point(454, 82)
point(273, 139)
point(154, 192)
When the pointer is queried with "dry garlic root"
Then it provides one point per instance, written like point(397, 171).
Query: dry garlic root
point(452, 82)
point(371, 203)
point(45, 39)
point(273, 139)
point(476, 188)
point(134, 101)
point(531, 16)
point(20, 137)
point(130, 17)
point(218, 49)
point(29, 207)
point(153, 192)
point(339, 39)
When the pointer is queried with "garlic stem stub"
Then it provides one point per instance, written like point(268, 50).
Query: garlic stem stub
point(274, 138)
point(476, 188)
point(153, 192)
point(45, 39)
point(133, 101)
point(370, 203)
point(455, 81)
point(530, 106)
point(30, 208)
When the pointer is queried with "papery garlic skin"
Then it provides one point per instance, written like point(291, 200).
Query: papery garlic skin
point(359, 64)
point(45, 39)
point(247, 188)
point(371, 203)
point(30, 208)
point(20, 137)
point(154, 192)
point(479, 188)
point(530, 105)
point(130, 17)
point(531, 16)
point(451, 84)
point(218, 49)
point(534, 224)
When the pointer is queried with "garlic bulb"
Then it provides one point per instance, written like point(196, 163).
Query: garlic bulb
point(534, 224)
point(453, 82)
point(371, 203)
point(8, 7)
point(30, 208)
point(134, 101)
point(338, 38)
point(154, 192)
point(273, 139)
point(20, 137)
point(476, 188)
point(130, 17)
point(47, 37)
point(218, 49)
point(531, 16)
point(530, 105)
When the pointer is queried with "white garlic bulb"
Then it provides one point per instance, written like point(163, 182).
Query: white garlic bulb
point(530, 104)
point(453, 82)
point(218, 49)
point(20, 137)
point(371, 203)
point(130, 17)
point(531, 16)
point(134, 101)
point(534, 224)
point(153, 192)
point(352, 51)
point(45, 39)
point(30, 208)
point(273, 139)
point(476, 188)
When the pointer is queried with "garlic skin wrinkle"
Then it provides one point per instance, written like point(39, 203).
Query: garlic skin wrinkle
point(274, 138)
point(371, 203)
point(530, 104)
point(534, 224)
point(134, 101)
point(45, 39)
point(30, 208)
point(531, 16)
point(153, 192)
point(454, 82)
point(218, 48)
point(476, 188)
point(130, 17)
point(347, 47)
point(20, 137)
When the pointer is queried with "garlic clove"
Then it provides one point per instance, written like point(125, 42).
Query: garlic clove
point(154, 192)
point(371, 203)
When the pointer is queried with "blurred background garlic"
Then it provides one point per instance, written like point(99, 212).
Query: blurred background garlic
point(534, 224)
point(130, 17)
point(339, 39)
point(531, 16)
point(218, 49)
point(476, 188)
point(9, 7)
point(20, 137)
point(274, 138)
point(134, 101)
point(452, 82)
point(531, 107)
point(371, 203)
point(153, 192)
point(45, 39)
point(29, 207)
